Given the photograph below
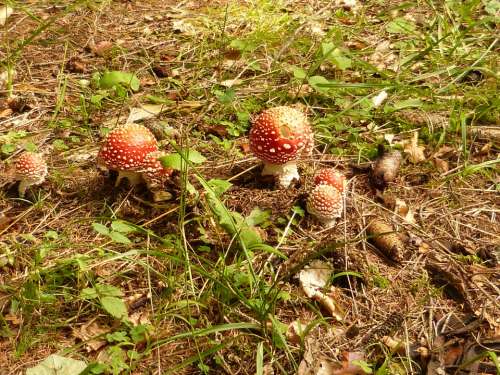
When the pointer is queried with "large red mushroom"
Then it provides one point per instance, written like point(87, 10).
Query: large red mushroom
point(30, 169)
point(279, 137)
point(125, 150)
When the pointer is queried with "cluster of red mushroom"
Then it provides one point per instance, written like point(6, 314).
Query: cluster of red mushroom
point(280, 137)
point(132, 151)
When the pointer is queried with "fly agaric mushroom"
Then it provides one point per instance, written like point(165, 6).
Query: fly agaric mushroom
point(329, 176)
point(326, 204)
point(279, 137)
point(153, 172)
point(125, 149)
point(30, 169)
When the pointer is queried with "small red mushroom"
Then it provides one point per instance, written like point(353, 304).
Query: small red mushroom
point(330, 176)
point(326, 204)
point(125, 149)
point(30, 169)
point(279, 137)
point(153, 172)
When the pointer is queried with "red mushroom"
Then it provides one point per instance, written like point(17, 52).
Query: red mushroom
point(125, 149)
point(153, 172)
point(329, 176)
point(279, 137)
point(30, 169)
point(326, 204)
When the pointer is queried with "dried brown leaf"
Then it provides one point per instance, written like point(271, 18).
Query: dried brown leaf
point(87, 333)
point(415, 152)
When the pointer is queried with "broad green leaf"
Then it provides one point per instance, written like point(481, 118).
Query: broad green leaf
point(268, 249)
point(315, 81)
point(57, 365)
point(88, 293)
point(114, 306)
point(364, 365)
point(119, 237)
point(8, 148)
point(219, 186)
point(112, 79)
point(106, 290)
point(402, 104)
point(299, 73)
point(123, 227)
point(335, 56)
point(101, 229)
point(250, 237)
point(174, 161)
point(400, 26)
point(257, 216)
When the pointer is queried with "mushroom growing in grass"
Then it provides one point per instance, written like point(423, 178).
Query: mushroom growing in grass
point(153, 172)
point(30, 169)
point(125, 150)
point(332, 177)
point(326, 204)
point(280, 136)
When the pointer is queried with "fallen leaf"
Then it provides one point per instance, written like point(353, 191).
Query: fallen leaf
point(313, 279)
point(389, 138)
point(184, 27)
point(101, 48)
point(6, 112)
point(231, 82)
point(5, 12)
point(4, 77)
point(441, 165)
point(402, 209)
point(415, 152)
point(76, 65)
point(162, 71)
point(379, 99)
point(57, 365)
point(352, 364)
point(145, 111)
point(87, 333)
point(295, 331)
point(443, 151)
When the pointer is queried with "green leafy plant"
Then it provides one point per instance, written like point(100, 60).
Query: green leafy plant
point(109, 299)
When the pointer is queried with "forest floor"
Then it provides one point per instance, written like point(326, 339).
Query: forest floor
point(132, 284)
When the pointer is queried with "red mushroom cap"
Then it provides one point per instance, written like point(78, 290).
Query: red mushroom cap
point(31, 167)
point(280, 135)
point(126, 147)
point(154, 173)
point(325, 202)
point(329, 176)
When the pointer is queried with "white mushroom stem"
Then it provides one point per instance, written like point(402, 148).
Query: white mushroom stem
point(134, 178)
point(25, 183)
point(285, 172)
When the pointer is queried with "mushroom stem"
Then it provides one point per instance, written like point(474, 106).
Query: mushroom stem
point(134, 178)
point(23, 185)
point(285, 172)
